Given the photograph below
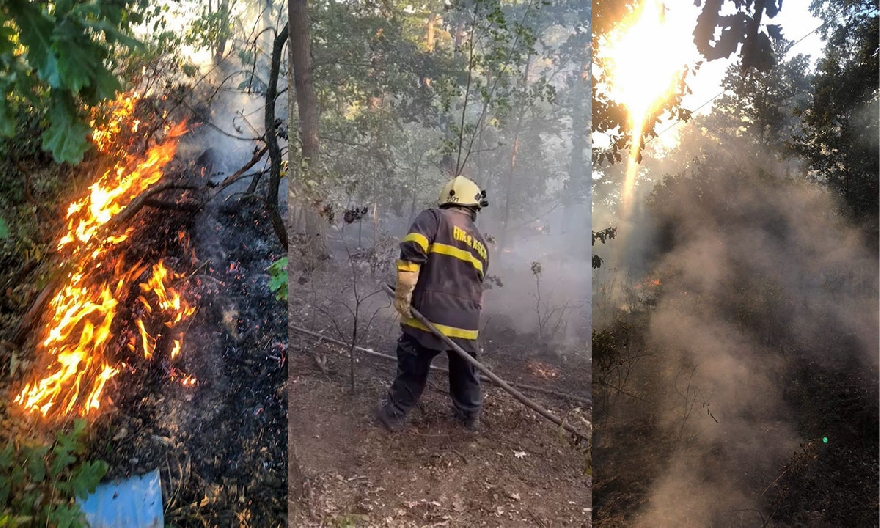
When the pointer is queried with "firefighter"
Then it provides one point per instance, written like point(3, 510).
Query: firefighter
point(443, 260)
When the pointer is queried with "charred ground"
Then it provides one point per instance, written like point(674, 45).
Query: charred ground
point(220, 445)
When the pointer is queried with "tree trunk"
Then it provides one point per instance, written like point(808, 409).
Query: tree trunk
point(306, 226)
point(576, 201)
point(508, 192)
point(301, 61)
point(272, 139)
point(211, 47)
point(222, 7)
point(511, 180)
point(304, 221)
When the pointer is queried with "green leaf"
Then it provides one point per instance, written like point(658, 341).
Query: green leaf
point(67, 136)
point(5, 489)
point(86, 478)
point(36, 463)
point(7, 123)
point(36, 33)
point(6, 34)
point(78, 57)
point(79, 428)
point(113, 35)
point(7, 456)
point(61, 460)
point(278, 278)
point(65, 516)
point(18, 475)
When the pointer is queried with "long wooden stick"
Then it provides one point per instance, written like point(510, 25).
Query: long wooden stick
point(370, 352)
point(491, 375)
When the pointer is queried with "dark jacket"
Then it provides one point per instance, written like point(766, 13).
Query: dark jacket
point(451, 257)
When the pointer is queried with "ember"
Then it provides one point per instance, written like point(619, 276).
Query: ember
point(77, 337)
point(542, 370)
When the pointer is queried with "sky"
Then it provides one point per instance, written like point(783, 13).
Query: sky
point(796, 21)
point(795, 18)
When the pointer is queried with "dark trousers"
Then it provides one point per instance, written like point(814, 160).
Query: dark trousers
point(413, 367)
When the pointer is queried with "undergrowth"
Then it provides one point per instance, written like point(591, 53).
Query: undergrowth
point(39, 481)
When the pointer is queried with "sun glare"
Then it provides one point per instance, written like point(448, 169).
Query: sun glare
point(644, 59)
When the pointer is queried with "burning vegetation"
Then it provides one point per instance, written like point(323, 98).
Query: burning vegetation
point(82, 341)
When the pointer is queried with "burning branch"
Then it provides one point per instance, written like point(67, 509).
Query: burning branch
point(76, 348)
point(138, 203)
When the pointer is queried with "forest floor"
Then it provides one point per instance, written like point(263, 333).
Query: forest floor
point(518, 470)
point(221, 445)
point(830, 479)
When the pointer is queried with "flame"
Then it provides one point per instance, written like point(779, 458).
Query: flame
point(176, 348)
point(81, 316)
point(169, 300)
point(115, 116)
point(542, 370)
point(186, 380)
point(114, 190)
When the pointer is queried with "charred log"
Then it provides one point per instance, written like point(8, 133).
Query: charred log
point(34, 314)
point(185, 207)
point(138, 203)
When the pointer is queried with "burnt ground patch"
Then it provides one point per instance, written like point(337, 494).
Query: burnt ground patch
point(220, 445)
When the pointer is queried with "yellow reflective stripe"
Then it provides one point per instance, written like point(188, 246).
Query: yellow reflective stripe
point(452, 251)
point(403, 265)
point(448, 331)
point(418, 238)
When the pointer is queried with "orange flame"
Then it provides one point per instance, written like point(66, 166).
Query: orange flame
point(112, 192)
point(176, 349)
point(542, 370)
point(169, 301)
point(82, 312)
point(117, 114)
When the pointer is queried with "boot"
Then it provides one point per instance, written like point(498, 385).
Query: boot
point(469, 420)
point(390, 418)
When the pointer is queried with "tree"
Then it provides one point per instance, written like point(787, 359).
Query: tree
point(301, 63)
point(270, 123)
point(59, 56)
point(764, 105)
point(839, 139)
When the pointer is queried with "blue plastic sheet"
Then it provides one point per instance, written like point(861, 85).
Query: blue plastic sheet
point(132, 503)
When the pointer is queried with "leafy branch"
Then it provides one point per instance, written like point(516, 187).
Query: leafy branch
point(39, 481)
point(57, 56)
point(602, 236)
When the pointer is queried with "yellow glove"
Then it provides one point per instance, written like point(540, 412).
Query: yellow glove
point(406, 283)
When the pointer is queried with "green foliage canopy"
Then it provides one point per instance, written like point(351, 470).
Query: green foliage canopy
point(839, 138)
point(59, 56)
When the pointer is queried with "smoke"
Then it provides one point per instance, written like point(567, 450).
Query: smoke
point(544, 285)
point(761, 277)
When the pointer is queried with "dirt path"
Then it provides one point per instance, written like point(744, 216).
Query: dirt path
point(517, 472)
